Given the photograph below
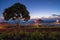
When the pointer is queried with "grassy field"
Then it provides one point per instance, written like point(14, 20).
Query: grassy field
point(30, 33)
point(23, 35)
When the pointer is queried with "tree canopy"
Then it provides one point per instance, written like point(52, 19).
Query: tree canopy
point(15, 11)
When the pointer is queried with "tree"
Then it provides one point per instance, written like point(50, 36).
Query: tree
point(16, 11)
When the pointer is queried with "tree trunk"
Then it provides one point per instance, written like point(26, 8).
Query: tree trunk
point(17, 24)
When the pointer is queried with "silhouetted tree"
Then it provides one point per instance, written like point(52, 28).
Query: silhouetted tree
point(16, 11)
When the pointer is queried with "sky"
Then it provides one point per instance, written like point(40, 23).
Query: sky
point(37, 8)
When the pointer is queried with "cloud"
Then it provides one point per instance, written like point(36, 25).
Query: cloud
point(1, 17)
point(56, 15)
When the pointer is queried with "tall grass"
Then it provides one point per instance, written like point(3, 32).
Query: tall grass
point(19, 34)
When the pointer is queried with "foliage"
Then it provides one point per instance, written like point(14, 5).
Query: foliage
point(15, 11)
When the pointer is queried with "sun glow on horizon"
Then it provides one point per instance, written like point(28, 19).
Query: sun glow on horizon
point(37, 17)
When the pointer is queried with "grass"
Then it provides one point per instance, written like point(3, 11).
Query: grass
point(30, 33)
point(22, 35)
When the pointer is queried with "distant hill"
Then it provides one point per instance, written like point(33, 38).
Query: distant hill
point(32, 21)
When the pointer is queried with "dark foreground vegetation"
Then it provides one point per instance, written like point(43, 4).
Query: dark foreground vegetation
point(22, 34)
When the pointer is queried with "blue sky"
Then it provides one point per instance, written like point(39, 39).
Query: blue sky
point(37, 8)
